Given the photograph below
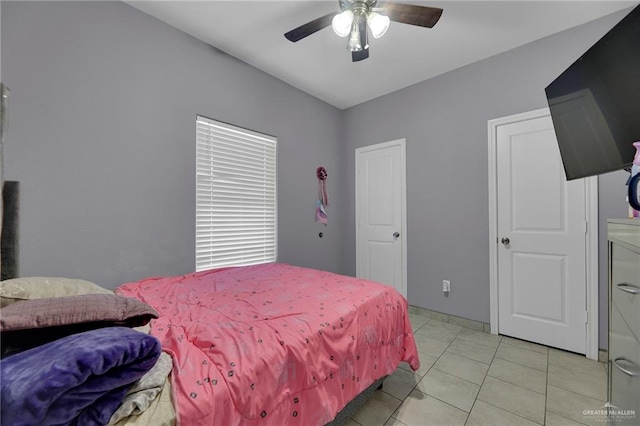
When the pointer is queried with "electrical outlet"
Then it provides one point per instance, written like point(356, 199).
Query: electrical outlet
point(446, 286)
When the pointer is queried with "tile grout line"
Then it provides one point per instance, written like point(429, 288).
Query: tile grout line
point(506, 342)
point(416, 385)
point(546, 390)
point(519, 386)
point(425, 374)
point(507, 411)
point(471, 359)
point(433, 366)
point(447, 346)
point(529, 350)
point(401, 401)
point(493, 358)
point(578, 394)
point(483, 380)
point(495, 378)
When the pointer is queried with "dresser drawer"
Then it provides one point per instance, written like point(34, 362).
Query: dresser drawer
point(624, 396)
point(625, 281)
point(624, 367)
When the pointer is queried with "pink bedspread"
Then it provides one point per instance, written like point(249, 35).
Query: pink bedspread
point(274, 344)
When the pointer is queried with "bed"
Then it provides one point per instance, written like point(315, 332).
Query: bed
point(270, 344)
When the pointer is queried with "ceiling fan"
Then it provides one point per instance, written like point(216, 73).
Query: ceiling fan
point(357, 15)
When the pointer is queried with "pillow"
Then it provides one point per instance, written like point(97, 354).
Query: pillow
point(42, 287)
point(30, 323)
point(86, 308)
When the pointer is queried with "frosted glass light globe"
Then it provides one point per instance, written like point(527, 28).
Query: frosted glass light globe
point(341, 23)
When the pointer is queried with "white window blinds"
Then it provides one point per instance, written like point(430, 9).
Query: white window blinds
point(235, 196)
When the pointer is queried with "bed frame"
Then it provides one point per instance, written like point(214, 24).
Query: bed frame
point(352, 407)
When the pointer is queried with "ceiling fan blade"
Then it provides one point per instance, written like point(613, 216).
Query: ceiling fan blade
point(364, 42)
point(422, 16)
point(309, 28)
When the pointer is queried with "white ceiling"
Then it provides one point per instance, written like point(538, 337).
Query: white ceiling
point(253, 31)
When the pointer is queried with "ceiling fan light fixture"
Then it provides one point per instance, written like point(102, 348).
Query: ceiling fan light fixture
point(358, 17)
point(341, 23)
point(378, 24)
point(354, 43)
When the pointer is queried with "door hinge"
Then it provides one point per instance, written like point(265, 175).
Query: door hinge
point(586, 228)
point(586, 317)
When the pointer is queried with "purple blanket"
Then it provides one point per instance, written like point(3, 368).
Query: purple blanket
point(79, 380)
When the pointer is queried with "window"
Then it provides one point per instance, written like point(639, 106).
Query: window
point(235, 196)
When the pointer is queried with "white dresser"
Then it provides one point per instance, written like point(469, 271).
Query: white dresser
point(624, 320)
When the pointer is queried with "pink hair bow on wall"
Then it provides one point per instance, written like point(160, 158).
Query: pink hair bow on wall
point(323, 197)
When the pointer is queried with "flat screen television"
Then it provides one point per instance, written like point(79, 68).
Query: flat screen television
point(595, 103)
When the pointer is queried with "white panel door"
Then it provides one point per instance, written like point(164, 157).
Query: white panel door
point(380, 214)
point(542, 241)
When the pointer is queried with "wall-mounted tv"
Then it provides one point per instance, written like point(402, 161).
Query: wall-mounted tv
point(595, 103)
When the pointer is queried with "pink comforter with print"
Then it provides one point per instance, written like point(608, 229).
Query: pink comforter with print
point(274, 344)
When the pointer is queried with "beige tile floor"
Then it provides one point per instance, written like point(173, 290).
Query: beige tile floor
point(469, 378)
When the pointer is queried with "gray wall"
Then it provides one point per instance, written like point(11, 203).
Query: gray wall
point(444, 121)
point(103, 106)
point(102, 139)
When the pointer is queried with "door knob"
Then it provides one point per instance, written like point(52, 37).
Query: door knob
point(396, 234)
point(505, 241)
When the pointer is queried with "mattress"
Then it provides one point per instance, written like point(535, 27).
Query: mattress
point(274, 344)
